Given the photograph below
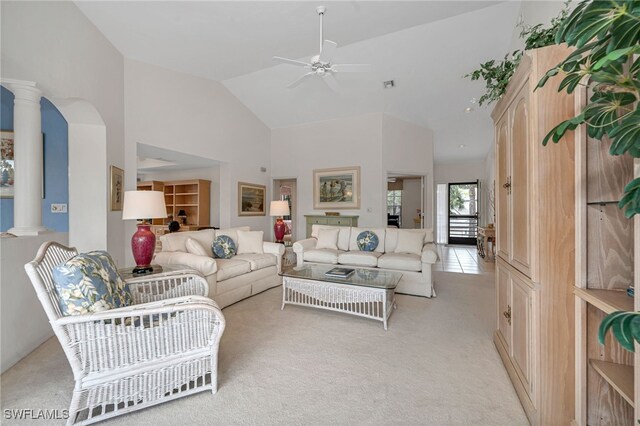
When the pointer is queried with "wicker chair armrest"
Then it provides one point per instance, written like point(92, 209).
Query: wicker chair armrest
point(161, 287)
point(122, 337)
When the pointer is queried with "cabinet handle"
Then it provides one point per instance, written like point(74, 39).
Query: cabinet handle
point(507, 185)
point(507, 314)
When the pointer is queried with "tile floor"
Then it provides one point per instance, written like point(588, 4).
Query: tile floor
point(462, 259)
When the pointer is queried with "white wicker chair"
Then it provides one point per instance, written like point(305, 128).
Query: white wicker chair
point(126, 359)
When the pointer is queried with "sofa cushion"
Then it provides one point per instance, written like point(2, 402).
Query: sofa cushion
point(391, 239)
point(229, 268)
point(223, 247)
point(327, 239)
point(409, 242)
point(322, 255)
point(400, 261)
point(380, 233)
point(343, 235)
point(256, 260)
point(176, 241)
point(194, 247)
point(359, 258)
point(89, 282)
point(232, 232)
point(250, 242)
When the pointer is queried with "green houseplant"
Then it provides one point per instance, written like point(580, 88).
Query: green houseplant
point(606, 35)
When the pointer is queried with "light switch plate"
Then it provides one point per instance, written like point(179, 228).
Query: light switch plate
point(58, 208)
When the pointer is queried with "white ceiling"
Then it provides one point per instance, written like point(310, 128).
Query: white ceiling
point(425, 46)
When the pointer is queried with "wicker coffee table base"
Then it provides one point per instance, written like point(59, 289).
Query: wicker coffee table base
point(368, 302)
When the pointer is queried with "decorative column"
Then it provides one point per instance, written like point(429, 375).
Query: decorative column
point(28, 157)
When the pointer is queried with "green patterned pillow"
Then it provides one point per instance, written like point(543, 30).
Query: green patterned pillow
point(89, 282)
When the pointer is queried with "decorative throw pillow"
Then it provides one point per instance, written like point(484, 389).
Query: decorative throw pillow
point(89, 282)
point(367, 241)
point(327, 239)
point(250, 242)
point(194, 247)
point(410, 242)
point(223, 247)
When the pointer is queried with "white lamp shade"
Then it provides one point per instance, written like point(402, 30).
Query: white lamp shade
point(279, 208)
point(144, 205)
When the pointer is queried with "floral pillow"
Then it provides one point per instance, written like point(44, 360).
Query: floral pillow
point(223, 247)
point(367, 241)
point(89, 282)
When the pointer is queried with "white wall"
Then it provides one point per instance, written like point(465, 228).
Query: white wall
point(375, 142)
point(467, 171)
point(23, 322)
point(354, 141)
point(199, 117)
point(55, 45)
point(211, 173)
point(408, 149)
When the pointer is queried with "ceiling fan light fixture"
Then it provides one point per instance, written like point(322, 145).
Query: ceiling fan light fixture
point(388, 84)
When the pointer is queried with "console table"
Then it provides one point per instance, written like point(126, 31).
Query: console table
point(486, 236)
point(329, 220)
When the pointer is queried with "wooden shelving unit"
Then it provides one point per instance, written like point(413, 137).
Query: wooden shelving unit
point(152, 185)
point(605, 388)
point(192, 196)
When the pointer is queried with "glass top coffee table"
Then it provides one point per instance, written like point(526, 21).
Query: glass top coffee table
point(368, 293)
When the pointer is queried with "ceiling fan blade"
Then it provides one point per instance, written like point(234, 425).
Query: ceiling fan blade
point(300, 80)
point(291, 62)
point(351, 67)
point(331, 82)
point(328, 49)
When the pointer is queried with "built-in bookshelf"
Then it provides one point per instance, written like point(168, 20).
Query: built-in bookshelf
point(605, 266)
point(193, 196)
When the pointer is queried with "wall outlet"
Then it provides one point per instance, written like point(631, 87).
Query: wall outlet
point(58, 208)
point(369, 210)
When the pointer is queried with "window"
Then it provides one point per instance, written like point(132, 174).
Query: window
point(394, 202)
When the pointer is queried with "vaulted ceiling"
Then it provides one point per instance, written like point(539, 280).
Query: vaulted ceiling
point(424, 46)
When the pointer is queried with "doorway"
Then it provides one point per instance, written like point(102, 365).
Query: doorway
point(463, 213)
point(405, 201)
point(285, 189)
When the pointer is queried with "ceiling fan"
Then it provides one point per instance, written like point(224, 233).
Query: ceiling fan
point(320, 64)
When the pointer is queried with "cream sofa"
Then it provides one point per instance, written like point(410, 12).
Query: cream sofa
point(416, 269)
point(230, 280)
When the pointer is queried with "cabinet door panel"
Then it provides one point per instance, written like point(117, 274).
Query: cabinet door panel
point(502, 192)
point(520, 183)
point(521, 321)
point(504, 304)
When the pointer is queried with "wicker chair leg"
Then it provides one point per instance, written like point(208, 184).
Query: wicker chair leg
point(74, 406)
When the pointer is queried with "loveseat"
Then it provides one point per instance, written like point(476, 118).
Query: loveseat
point(408, 251)
point(230, 280)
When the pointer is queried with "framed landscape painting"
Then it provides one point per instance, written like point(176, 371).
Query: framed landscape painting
point(251, 199)
point(336, 188)
point(7, 170)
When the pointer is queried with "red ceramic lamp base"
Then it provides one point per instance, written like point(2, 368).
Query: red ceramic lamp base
point(279, 230)
point(143, 244)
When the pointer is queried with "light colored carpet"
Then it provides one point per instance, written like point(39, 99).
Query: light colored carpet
point(436, 365)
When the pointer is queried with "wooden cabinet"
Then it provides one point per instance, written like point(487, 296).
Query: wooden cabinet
point(329, 220)
point(535, 208)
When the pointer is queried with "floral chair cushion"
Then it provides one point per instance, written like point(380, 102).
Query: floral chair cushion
point(223, 247)
point(89, 282)
point(367, 241)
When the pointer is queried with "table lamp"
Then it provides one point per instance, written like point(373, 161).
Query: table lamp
point(279, 209)
point(183, 216)
point(143, 205)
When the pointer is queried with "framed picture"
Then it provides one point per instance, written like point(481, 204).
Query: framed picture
point(251, 199)
point(117, 188)
point(336, 188)
point(7, 170)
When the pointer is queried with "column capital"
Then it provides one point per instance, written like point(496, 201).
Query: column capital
point(23, 89)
